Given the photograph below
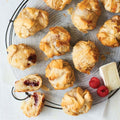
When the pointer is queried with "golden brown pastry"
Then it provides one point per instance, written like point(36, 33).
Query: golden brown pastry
point(28, 83)
point(56, 42)
point(57, 4)
point(85, 55)
point(30, 21)
point(86, 15)
point(77, 101)
point(33, 106)
point(112, 5)
point(21, 56)
point(109, 33)
point(60, 74)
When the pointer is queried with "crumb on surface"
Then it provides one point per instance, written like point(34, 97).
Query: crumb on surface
point(46, 58)
point(103, 57)
point(65, 15)
point(45, 88)
point(107, 53)
point(70, 10)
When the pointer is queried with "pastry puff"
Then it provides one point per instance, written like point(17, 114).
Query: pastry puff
point(29, 21)
point(86, 15)
point(112, 5)
point(60, 74)
point(56, 42)
point(85, 55)
point(109, 33)
point(57, 4)
point(21, 56)
point(77, 101)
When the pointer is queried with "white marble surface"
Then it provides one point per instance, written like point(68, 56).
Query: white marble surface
point(10, 108)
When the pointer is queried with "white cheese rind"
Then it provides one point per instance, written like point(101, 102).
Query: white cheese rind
point(110, 76)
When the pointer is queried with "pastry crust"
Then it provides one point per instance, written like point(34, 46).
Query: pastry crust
point(21, 56)
point(30, 21)
point(60, 74)
point(86, 15)
point(28, 83)
point(85, 55)
point(33, 106)
point(77, 101)
point(109, 33)
point(112, 5)
point(56, 42)
point(57, 4)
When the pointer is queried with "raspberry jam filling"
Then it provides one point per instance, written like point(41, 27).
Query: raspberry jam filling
point(32, 58)
point(29, 83)
point(35, 98)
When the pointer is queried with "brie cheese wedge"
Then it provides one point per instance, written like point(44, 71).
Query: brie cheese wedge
point(110, 76)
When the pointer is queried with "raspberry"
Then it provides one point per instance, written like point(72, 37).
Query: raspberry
point(94, 82)
point(102, 91)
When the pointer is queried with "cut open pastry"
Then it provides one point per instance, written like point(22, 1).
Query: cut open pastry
point(21, 56)
point(85, 55)
point(86, 15)
point(33, 106)
point(29, 83)
point(60, 74)
point(57, 4)
point(109, 33)
point(77, 101)
point(29, 21)
point(56, 42)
